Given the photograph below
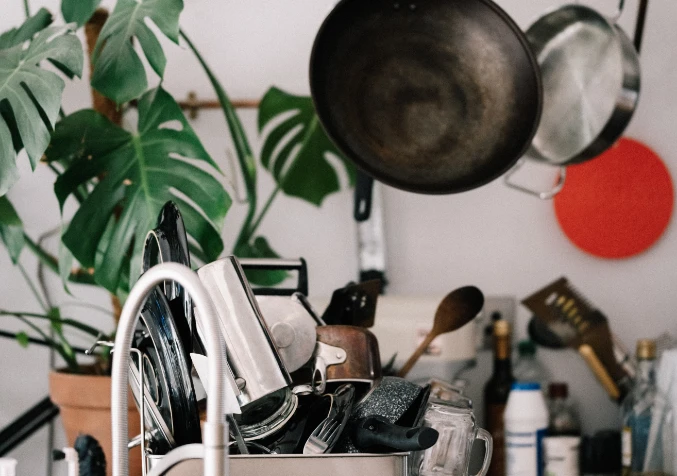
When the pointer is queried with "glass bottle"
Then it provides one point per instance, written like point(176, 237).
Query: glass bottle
point(496, 392)
point(564, 419)
point(527, 367)
point(646, 416)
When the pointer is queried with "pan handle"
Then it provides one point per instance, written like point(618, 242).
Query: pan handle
point(543, 195)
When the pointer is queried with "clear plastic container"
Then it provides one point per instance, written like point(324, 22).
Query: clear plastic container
point(458, 430)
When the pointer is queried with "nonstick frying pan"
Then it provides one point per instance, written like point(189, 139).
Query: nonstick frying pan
point(429, 96)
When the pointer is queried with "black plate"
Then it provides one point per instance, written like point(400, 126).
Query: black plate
point(168, 243)
point(166, 370)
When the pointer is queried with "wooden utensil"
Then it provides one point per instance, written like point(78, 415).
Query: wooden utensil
point(456, 309)
point(566, 312)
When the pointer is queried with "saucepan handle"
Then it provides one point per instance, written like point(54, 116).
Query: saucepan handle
point(543, 195)
point(277, 264)
point(483, 434)
point(319, 378)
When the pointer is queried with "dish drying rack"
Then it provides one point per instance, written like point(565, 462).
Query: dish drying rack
point(211, 457)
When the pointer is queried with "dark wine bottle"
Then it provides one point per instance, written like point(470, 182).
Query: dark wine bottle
point(496, 393)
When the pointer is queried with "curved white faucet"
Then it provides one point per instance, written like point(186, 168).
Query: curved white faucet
point(215, 438)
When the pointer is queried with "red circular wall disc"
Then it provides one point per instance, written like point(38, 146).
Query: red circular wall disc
point(618, 204)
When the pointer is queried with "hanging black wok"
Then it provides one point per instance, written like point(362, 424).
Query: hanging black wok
point(430, 96)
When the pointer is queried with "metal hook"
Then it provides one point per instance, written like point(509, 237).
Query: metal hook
point(99, 342)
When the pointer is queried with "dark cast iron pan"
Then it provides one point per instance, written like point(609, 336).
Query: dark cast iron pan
point(429, 96)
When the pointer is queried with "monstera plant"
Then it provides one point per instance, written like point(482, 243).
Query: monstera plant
point(119, 179)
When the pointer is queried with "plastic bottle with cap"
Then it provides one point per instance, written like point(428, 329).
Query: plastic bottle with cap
point(7, 467)
point(526, 423)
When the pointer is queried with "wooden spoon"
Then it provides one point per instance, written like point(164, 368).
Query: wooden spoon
point(456, 309)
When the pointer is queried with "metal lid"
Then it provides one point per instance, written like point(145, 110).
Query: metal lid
point(646, 349)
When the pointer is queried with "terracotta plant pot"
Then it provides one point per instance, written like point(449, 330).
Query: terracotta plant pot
point(84, 404)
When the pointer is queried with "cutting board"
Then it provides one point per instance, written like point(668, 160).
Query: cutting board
point(618, 204)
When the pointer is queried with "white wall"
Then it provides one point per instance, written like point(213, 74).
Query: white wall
point(500, 240)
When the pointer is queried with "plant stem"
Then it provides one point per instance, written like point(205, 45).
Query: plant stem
point(27, 9)
point(64, 321)
point(81, 277)
point(32, 287)
point(69, 359)
point(33, 340)
point(41, 268)
point(257, 222)
point(53, 168)
point(87, 305)
point(242, 147)
point(65, 345)
point(50, 261)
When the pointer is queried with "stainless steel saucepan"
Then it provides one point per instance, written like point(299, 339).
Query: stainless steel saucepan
point(591, 81)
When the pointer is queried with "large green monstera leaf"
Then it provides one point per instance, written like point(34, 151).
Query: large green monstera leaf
point(138, 173)
point(11, 229)
point(118, 71)
point(30, 97)
point(295, 150)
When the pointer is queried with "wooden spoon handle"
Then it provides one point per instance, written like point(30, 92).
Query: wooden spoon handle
point(416, 355)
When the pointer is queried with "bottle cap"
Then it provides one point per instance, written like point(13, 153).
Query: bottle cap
point(524, 386)
point(501, 328)
point(646, 349)
point(526, 347)
point(558, 390)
